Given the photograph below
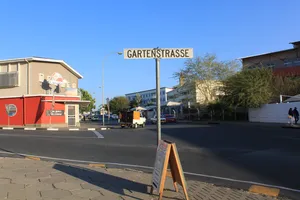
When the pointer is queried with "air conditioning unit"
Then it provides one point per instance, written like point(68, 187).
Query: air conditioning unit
point(9, 79)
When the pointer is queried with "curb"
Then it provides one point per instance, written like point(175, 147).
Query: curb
point(199, 122)
point(54, 129)
point(291, 126)
point(257, 189)
point(273, 192)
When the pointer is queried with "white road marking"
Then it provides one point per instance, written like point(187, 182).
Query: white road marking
point(29, 129)
point(44, 136)
point(52, 129)
point(99, 135)
point(73, 129)
point(147, 167)
point(91, 129)
point(7, 128)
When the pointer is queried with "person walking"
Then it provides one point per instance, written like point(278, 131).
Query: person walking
point(290, 116)
point(296, 115)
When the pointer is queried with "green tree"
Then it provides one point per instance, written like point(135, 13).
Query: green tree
point(138, 99)
point(118, 104)
point(205, 73)
point(285, 85)
point(133, 104)
point(249, 88)
point(85, 95)
point(218, 106)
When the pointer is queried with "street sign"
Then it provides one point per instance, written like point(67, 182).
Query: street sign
point(11, 109)
point(157, 54)
point(148, 53)
point(55, 113)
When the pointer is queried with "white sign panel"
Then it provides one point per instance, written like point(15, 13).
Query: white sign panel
point(170, 53)
point(159, 164)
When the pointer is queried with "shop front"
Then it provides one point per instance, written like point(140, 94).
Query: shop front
point(40, 111)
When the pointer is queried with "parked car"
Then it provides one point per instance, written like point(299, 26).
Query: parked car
point(114, 116)
point(154, 119)
point(170, 118)
point(96, 118)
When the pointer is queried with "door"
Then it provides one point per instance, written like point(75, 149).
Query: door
point(71, 116)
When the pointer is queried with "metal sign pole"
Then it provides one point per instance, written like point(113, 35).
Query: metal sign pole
point(158, 123)
point(52, 107)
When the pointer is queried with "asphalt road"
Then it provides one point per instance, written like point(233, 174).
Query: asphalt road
point(260, 153)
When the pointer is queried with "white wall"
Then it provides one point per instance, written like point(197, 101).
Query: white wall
point(272, 113)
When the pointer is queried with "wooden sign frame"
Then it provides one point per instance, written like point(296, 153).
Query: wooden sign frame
point(171, 158)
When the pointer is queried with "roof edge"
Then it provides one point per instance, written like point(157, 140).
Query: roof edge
point(263, 54)
point(147, 90)
point(44, 60)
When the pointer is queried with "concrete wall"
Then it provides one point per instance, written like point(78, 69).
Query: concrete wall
point(272, 113)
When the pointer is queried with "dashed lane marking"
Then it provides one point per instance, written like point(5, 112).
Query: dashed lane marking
point(99, 135)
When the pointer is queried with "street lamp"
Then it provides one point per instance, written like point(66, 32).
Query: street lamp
point(105, 57)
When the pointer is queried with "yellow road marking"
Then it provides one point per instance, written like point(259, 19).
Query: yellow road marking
point(274, 192)
point(97, 165)
point(32, 158)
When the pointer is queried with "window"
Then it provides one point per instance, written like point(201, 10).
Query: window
point(13, 67)
point(287, 62)
point(3, 68)
point(9, 79)
point(270, 65)
point(297, 61)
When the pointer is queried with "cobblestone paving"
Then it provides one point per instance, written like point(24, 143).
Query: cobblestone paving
point(22, 179)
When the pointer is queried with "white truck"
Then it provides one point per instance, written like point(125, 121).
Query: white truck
point(132, 119)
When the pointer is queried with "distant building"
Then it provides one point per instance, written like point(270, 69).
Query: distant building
point(149, 96)
point(282, 62)
point(202, 92)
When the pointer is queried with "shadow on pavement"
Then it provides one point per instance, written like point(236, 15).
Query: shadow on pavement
point(108, 182)
point(260, 154)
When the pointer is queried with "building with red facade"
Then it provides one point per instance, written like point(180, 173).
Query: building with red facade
point(39, 92)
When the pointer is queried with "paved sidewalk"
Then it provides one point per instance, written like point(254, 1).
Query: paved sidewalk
point(22, 179)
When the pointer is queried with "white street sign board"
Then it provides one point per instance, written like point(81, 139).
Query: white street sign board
point(151, 53)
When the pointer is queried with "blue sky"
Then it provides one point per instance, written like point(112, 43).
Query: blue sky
point(83, 32)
